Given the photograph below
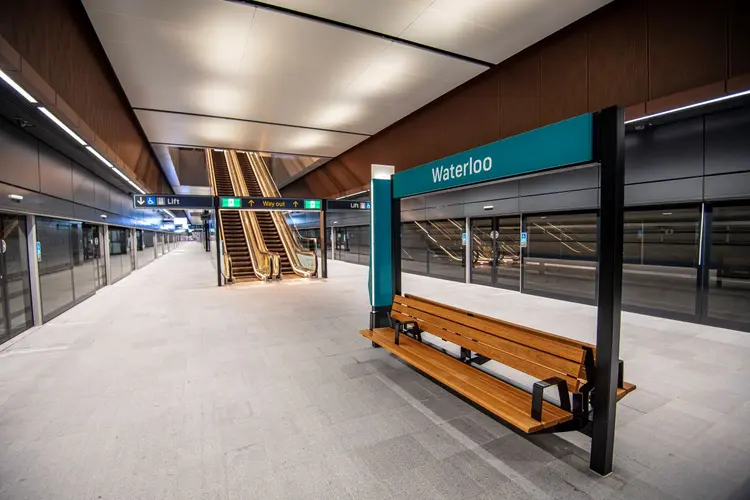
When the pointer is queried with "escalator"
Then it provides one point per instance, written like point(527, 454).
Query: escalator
point(268, 228)
point(234, 236)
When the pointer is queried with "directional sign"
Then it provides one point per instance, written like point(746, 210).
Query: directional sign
point(347, 205)
point(294, 204)
point(524, 239)
point(172, 201)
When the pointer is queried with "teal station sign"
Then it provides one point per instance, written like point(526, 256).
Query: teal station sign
point(561, 144)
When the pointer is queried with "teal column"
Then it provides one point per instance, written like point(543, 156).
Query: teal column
point(381, 260)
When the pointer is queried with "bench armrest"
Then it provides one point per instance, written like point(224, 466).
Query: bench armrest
point(537, 396)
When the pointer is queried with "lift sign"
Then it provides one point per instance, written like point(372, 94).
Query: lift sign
point(524, 239)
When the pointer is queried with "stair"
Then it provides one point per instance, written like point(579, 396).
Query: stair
point(265, 221)
point(234, 235)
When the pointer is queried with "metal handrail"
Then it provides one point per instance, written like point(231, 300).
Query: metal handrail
point(220, 226)
point(293, 248)
point(267, 265)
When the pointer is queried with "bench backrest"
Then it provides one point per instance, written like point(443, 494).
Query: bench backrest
point(539, 354)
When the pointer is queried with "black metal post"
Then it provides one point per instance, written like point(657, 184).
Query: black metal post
point(609, 140)
point(323, 242)
point(396, 243)
point(206, 236)
point(217, 232)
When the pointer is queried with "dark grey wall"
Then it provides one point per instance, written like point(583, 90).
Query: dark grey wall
point(706, 158)
point(53, 185)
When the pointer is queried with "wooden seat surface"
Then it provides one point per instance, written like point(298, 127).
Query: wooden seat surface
point(504, 400)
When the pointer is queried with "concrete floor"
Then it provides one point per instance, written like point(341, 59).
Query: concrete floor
point(164, 386)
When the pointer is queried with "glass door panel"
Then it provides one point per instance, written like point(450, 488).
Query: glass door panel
point(15, 289)
point(729, 267)
point(483, 256)
point(561, 256)
point(660, 259)
point(508, 253)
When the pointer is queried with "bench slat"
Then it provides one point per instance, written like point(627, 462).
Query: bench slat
point(550, 362)
point(503, 357)
point(515, 333)
point(549, 336)
point(504, 400)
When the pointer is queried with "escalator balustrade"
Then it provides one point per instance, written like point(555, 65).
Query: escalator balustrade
point(234, 236)
point(268, 228)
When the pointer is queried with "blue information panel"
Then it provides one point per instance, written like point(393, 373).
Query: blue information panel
point(172, 201)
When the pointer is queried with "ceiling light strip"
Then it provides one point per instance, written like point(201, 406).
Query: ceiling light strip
point(690, 106)
point(353, 194)
point(60, 124)
point(17, 88)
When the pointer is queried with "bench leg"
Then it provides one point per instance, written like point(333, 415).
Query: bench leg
point(376, 346)
point(537, 396)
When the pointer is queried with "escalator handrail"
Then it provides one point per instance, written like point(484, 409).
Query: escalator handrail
point(292, 247)
point(264, 262)
point(220, 232)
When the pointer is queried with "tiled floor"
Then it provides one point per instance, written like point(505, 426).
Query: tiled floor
point(164, 386)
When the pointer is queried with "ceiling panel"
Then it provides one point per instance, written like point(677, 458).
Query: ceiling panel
point(283, 70)
point(489, 30)
point(199, 131)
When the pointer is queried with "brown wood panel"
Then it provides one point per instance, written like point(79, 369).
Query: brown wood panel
point(687, 44)
point(507, 402)
point(560, 365)
point(485, 349)
point(58, 41)
point(555, 339)
point(739, 38)
point(519, 95)
point(564, 82)
point(618, 56)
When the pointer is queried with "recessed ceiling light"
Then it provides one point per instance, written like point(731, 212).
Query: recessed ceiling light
point(18, 88)
point(666, 213)
point(103, 216)
point(15, 197)
point(60, 124)
point(488, 207)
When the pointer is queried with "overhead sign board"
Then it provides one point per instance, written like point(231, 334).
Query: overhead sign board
point(292, 204)
point(561, 144)
point(172, 201)
point(347, 205)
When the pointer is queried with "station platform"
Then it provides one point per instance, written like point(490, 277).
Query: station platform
point(164, 386)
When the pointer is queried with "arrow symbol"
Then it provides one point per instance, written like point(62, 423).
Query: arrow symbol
point(252, 203)
point(296, 203)
point(140, 200)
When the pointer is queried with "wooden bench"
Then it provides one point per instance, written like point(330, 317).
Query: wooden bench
point(556, 361)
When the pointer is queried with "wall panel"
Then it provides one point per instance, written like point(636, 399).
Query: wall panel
point(564, 82)
point(56, 173)
point(618, 56)
point(739, 38)
point(19, 159)
point(687, 44)
point(519, 95)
